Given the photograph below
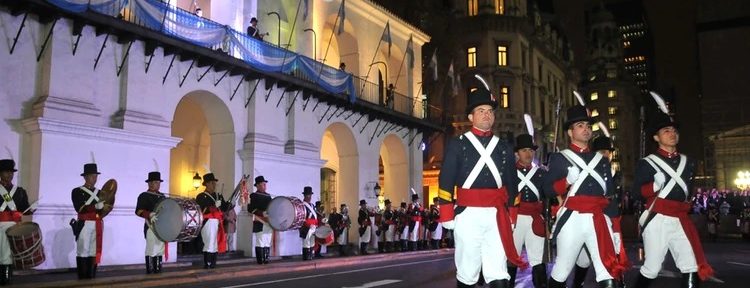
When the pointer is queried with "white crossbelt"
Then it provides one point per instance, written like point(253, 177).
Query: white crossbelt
point(675, 178)
point(525, 181)
point(8, 197)
point(587, 169)
point(310, 208)
point(92, 195)
point(484, 159)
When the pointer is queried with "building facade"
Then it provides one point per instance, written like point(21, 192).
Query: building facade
point(194, 95)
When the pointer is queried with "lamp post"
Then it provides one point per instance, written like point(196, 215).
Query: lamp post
point(315, 43)
point(196, 181)
point(278, 42)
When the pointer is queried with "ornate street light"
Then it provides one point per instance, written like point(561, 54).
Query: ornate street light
point(743, 180)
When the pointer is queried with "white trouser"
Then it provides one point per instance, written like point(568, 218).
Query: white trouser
point(405, 233)
point(154, 246)
point(575, 233)
point(86, 243)
point(208, 234)
point(438, 233)
point(478, 246)
point(662, 234)
point(583, 259)
point(365, 238)
point(524, 236)
point(309, 240)
point(6, 256)
point(417, 233)
point(390, 234)
point(342, 238)
point(263, 238)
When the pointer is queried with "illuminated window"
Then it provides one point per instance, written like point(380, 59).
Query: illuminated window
point(499, 6)
point(471, 54)
point(594, 113)
point(611, 94)
point(612, 110)
point(612, 124)
point(594, 96)
point(504, 96)
point(473, 7)
point(611, 74)
point(502, 55)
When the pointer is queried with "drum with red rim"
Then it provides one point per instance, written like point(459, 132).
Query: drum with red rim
point(324, 235)
point(26, 243)
point(286, 213)
point(178, 219)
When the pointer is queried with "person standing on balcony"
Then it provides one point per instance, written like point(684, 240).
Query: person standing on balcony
point(389, 96)
point(253, 31)
point(483, 168)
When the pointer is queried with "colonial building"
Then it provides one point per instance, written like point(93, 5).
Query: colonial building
point(138, 83)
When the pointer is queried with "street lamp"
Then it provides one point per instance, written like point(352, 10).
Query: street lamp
point(315, 43)
point(196, 181)
point(278, 43)
point(743, 180)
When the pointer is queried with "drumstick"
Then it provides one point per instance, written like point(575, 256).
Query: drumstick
point(32, 205)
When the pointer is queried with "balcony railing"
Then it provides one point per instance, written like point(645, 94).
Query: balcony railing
point(158, 15)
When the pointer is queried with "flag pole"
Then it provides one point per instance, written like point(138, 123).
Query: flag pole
point(369, 68)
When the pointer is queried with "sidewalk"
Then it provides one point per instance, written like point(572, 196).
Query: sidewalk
point(187, 273)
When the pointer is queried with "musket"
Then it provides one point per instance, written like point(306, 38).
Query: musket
point(547, 204)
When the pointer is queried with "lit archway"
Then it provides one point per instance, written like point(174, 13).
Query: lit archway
point(394, 176)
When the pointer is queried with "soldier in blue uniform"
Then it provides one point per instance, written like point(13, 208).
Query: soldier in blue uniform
point(365, 226)
point(529, 223)
point(262, 231)
point(14, 202)
point(663, 179)
point(583, 178)
point(483, 168)
point(89, 225)
point(212, 206)
point(144, 208)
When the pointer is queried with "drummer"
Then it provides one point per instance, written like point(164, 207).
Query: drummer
point(307, 232)
point(261, 229)
point(212, 205)
point(144, 208)
point(321, 214)
point(88, 204)
point(14, 203)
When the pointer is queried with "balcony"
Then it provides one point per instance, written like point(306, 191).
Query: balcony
point(218, 47)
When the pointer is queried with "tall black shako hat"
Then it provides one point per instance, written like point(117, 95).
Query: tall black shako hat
point(154, 176)
point(525, 141)
point(577, 113)
point(660, 118)
point(7, 165)
point(208, 178)
point(602, 143)
point(260, 179)
point(480, 96)
point(307, 190)
point(89, 168)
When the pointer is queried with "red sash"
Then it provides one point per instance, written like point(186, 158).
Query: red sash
point(497, 198)
point(595, 205)
point(221, 238)
point(533, 209)
point(680, 210)
point(10, 216)
point(90, 214)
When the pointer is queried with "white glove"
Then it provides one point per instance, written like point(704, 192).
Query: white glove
point(99, 205)
point(659, 180)
point(217, 203)
point(573, 173)
point(153, 218)
point(450, 225)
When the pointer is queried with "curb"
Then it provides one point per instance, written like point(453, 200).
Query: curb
point(200, 275)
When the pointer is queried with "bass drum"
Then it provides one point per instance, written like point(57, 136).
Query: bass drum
point(286, 213)
point(26, 243)
point(324, 235)
point(178, 219)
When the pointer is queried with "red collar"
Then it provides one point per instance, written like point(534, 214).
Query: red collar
point(521, 166)
point(480, 133)
point(577, 149)
point(666, 154)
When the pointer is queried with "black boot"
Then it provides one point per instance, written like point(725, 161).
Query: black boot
point(642, 281)
point(539, 275)
point(9, 273)
point(212, 258)
point(690, 280)
point(362, 248)
point(92, 267)
point(609, 283)
point(381, 247)
point(149, 265)
point(554, 284)
point(266, 255)
point(512, 270)
point(157, 264)
point(404, 245)
point(499, 284)
point(459, 284)
point(206, 260)
point(580, 276)
point(305, 254)
point(413, 245)
point(4, 275)
point(80, 267)
point(259, 254)
point(341, 250)
point(317, 252)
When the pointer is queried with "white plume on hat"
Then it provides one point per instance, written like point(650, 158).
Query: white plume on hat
point(579, 98)
point(660, 102)
point(156, 165)
point(529, 124)
point(604, 129)
point(486, 86)
point(93, 159)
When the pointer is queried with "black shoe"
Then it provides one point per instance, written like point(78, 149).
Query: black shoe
point(580, 276)
point(4, 275)
point(317, 253)
point(212, 259)
point(259, 255)
point(554, 284)
point(341, 251)
point(512, 270)
point(609, 283)
point(499, 284)
point(381, 247)
point(690, 280)
point(539, 275)
point(206, 260)
point(149, 265)
point(92, 267)
point(157, 264)
point(305, 254)
point(80, 264)
point(363, 249)
point(642, 281)
point(459, 284)
point(404, 245)
point(266, 255)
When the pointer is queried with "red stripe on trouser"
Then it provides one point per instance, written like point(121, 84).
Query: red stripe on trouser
point(595, 205)
point(680, 210)
point(498, 199)
point(93, 216)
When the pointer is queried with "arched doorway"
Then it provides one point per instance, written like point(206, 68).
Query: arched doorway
point(341, 170)
point(206, 128)
point(394, 175)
